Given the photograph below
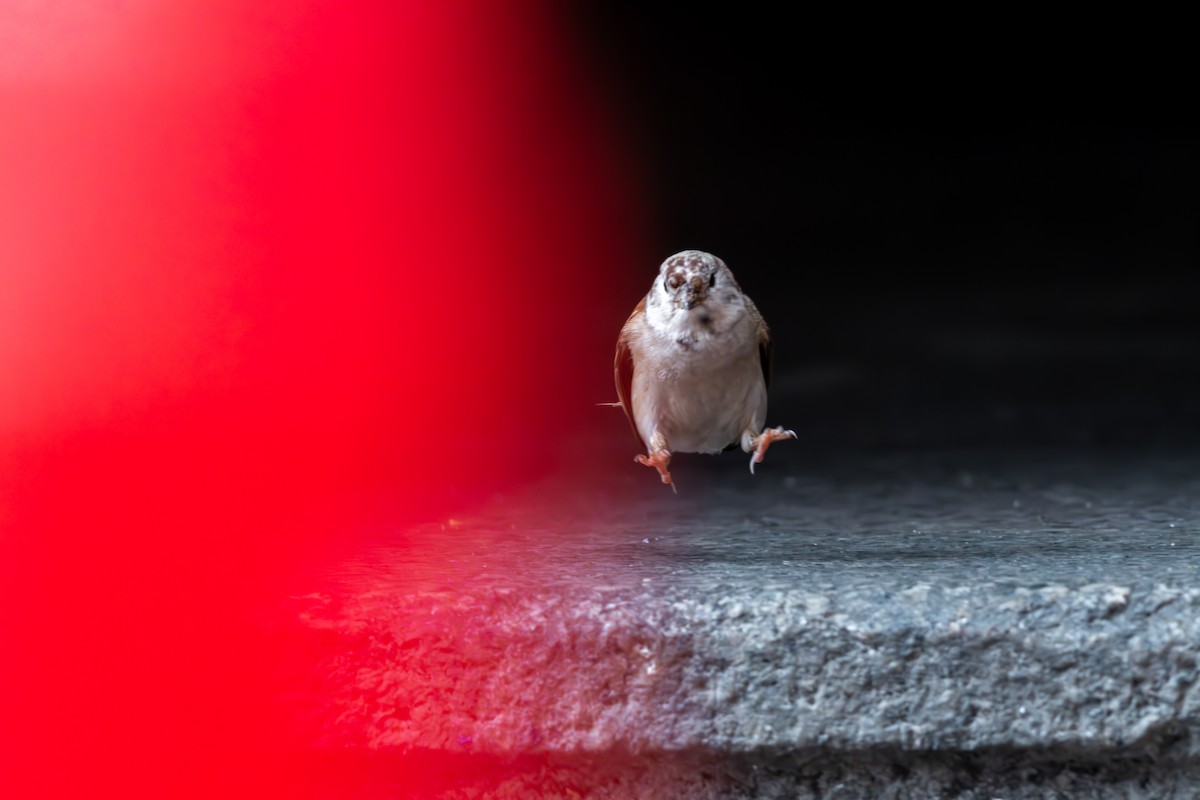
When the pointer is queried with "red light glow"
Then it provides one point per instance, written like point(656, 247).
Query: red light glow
point(266, 270)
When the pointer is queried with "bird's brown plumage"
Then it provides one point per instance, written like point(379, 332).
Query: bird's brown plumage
point(623, 372)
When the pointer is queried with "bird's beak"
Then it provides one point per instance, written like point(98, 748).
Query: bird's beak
point(693, 294)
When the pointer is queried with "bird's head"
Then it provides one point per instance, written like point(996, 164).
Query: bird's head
point(690, 276)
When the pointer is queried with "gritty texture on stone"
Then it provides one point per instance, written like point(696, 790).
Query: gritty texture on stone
point(931, 629)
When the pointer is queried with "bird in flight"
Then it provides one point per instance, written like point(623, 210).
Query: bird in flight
point(693, 364)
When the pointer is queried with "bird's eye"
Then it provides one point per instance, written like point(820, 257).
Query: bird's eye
point(674, 281)
point(712, 281)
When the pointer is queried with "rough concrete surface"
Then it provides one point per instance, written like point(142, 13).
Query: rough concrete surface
point(961, 625)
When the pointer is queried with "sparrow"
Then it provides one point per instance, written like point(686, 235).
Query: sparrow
point(693, 363)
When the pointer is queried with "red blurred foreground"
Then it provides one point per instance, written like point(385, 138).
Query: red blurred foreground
point(268, 271)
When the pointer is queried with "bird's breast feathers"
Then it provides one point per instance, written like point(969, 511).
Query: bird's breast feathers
point(698, 387)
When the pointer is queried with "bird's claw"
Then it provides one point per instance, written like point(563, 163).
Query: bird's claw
point(659, 459)
point(763, 441)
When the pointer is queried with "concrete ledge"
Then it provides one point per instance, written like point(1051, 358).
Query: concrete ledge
point(792, 651)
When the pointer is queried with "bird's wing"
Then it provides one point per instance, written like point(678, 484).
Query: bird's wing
point(766, 347)
point(623, 370)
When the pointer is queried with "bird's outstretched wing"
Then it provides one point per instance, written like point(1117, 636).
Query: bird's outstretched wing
point(623, 371)
point(766, 347)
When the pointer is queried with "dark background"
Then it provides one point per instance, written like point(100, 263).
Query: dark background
point(960, 234)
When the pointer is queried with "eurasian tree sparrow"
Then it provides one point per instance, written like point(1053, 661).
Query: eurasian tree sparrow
point(693, 364)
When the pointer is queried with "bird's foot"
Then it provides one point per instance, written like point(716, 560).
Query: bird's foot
point(659, 460)
point(761, 442)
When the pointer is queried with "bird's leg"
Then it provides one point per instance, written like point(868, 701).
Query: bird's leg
point(759, 444)
point(658, 458)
